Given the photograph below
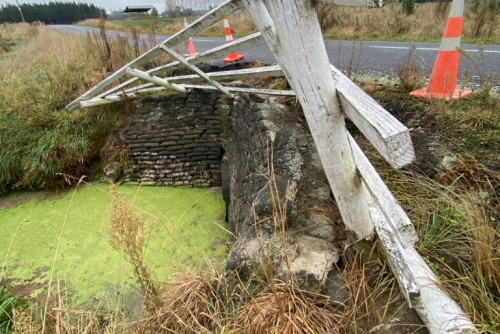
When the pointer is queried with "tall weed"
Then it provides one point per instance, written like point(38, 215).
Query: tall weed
point(38, 139)
point(410, 75)
point(129, 235)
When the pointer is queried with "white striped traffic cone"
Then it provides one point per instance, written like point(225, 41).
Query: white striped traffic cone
point(442, 84)
point(232, 57)
point(191, 51)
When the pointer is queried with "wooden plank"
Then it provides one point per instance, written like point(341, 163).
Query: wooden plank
point(388, 205)
point(296, 40)
point(200, 24)
point(389, 136)
point(440, 313)
point(259, 72)
point(248, 90)
point(197, 71)
point(97, 101)
point(419, 284)
point(353, 3)
point(153, 79)
point(394, 254)
point(220, 51)
point(134, 94)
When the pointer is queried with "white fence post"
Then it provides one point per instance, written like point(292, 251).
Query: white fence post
point(296, 41)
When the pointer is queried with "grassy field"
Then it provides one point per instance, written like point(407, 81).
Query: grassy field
point(390, 23)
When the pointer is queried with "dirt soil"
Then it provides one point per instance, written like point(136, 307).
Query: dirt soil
point(441, 140)
point(435, 135)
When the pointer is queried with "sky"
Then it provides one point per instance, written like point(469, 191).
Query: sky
point(108, 5)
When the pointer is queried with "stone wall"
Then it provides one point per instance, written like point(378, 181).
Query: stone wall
point(278, 189)
point(274, 184)
point(176, 140)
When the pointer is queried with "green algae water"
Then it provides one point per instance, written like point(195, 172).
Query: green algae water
point(62, 239)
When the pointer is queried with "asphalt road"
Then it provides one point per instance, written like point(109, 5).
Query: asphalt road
point(362, 58)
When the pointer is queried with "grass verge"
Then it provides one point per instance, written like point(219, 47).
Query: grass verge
point(390, 23)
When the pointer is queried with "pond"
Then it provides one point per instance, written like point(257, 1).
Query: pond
point(61, 238)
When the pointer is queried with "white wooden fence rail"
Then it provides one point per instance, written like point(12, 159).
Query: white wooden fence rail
point(291, 30)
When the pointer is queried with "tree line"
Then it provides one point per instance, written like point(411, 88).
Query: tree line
point(50, 13)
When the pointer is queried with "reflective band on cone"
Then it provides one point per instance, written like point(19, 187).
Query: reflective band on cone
point(442, 84)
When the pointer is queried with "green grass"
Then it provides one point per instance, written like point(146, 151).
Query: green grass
point(38, 138)
point(84, 262)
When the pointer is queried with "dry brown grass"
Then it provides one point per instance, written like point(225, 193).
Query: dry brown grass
point(46, 66)
point(61, 318)
point(190, 304)
point(409, 74)
point(129, 235)
point(485, 240)
point(481, 21)
point(66, 67)
point(287, 310)
point(426, 23)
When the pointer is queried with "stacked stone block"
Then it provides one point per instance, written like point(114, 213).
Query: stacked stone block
point(175, 140)
point(182, 139)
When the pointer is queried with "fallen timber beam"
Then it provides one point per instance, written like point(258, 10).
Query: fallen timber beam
point(396, 234)
point(421, 287)
point(198, 25)
point(389, 136)
point(158, 81)
point(293, 34)
point(352, 3)
point(97, 101)
point(439, 312)
point(260, 72)
point(388, 205)
point(394, 254)
point(244, 43)
point(248, 90)
point(195, 69)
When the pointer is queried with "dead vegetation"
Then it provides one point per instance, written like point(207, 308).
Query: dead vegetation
point(481, 22)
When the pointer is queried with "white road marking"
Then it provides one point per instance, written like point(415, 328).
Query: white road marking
point(204, 40)
point(425, 49)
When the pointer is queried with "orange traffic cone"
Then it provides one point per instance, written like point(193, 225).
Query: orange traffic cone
point(191, 51)
point(232, 57)
point(444, 74)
